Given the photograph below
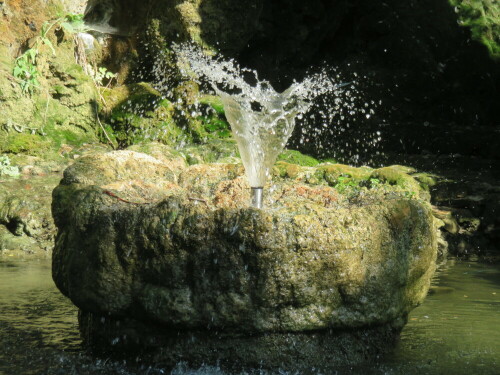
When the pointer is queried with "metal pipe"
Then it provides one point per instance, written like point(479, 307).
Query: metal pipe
point(257, 195)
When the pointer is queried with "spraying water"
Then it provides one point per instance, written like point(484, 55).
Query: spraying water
point(262, 120)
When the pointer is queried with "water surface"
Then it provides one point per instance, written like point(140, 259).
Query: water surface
point(455, 331)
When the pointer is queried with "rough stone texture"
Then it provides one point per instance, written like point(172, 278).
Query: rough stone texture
point(26, 225)
point(75, 6)
point(62, 109)
point(155, 242)
point(27, 229)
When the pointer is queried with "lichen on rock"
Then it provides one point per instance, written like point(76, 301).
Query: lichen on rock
point(142, 241)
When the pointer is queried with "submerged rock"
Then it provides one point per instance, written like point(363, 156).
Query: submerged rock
point(174, 257)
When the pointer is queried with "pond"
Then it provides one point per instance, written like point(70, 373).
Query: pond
point(455, 331)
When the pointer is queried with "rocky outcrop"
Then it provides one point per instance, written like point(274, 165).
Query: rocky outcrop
point(26, 225)
point(169, 254)
point(27, 229)
point(49, 101)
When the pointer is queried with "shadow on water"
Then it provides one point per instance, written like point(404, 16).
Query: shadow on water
point(454, 331)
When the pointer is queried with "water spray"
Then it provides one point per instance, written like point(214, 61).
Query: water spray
point(261, 135)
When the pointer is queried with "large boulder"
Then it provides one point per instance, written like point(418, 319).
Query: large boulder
point(173, 256)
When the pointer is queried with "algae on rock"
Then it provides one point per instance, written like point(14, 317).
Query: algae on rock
point(153, 243)
point(61, 111)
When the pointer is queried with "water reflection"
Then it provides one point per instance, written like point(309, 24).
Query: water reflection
point(456, 330)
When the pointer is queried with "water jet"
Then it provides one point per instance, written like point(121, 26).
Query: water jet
point(261, 119)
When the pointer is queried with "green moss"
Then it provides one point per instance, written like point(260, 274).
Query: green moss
point(335, 173)
point(296, 157)
point(213, 150)
point(483, 19)
point(395, 176)
point(6, 60)
point(31, 144)
point(214, 102)
point(137, 113)
point(426, 180)
point(76, 72)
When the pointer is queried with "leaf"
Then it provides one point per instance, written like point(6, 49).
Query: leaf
point(68, 27)
point(71, 17)
point(17, 71)
point(110, 75)
point(47, 42)
point(44, 28)
point(31, 53)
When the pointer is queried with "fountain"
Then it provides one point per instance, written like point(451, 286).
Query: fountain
point(262, 120)
point(168, 257)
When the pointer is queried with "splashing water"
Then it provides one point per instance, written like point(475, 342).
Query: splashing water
point(262, 120)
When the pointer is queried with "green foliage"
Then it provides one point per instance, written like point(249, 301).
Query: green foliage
point(31, 144)
point(143, 117)
point(6, 169)
point(483, 19)
point(73, 23)
point(410, 194)
point(215, 126)
point(345, 183)
point(214, 102)
point(102, 74)
point(374, 182)
point(26, 65)
point(26, 71)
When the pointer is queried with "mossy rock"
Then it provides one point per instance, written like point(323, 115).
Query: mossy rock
point(212, 117)
point(483, 19)
point(213, 101)
point(334, 173)
point(298, 173)
point(212, 151)
point(426, 180)
point(32, 144)
point(60, 112)
point(197, 258)
point(296, 157)
point(396, 176)
point(137, 112)
point(176, 159)
point(141, 93)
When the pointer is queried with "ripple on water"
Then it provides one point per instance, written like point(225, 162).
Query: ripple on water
point(455, 331)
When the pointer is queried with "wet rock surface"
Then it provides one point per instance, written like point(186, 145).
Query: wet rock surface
point(173, 256)
point(26, 225)
point(466, 193)
point(27, 228)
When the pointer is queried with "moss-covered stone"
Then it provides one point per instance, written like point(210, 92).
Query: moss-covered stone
point(334, 173)
point(296, 157)
point(60, 111)
point(483, 18)
point(181, 249)
point(397, 176)
point(137, 112)
point(26, 225)
point(426, 180)
point(212, 151)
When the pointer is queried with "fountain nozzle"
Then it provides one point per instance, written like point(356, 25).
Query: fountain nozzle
point(257, 195)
